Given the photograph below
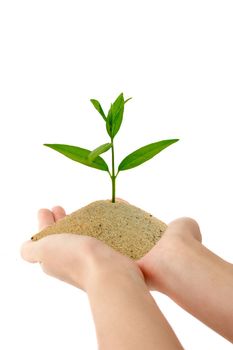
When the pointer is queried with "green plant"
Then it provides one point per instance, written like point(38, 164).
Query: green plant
point(113, 122)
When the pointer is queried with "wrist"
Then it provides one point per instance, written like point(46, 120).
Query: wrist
point(105, 272)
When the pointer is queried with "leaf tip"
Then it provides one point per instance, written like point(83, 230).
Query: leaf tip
point(128, 99)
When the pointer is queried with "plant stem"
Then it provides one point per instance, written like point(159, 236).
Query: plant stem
point(113, 177)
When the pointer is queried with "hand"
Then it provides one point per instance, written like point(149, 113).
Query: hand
point(180, 230)
point(75, 259)
point(179, 234)
point(191, 275)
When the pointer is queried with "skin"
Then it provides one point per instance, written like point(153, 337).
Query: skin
point(197, 280)
point(125, 314)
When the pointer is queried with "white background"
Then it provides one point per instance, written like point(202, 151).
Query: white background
point(175, 59)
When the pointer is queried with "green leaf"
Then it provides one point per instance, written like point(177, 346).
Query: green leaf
point(109, 122)
point(115, 116)
point(98, 107)
point(144, 153)
point(99, 150)
point(79, 155)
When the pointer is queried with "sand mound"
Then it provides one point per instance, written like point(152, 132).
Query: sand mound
point(122, 226)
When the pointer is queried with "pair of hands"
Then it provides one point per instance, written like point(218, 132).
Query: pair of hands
point(79, 260)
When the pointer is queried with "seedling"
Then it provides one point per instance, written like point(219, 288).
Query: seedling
point(113, 121)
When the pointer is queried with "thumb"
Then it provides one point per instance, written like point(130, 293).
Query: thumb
point(184, 226)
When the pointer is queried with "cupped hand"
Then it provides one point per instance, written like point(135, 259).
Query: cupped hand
point(180, 234)
point(75, 259)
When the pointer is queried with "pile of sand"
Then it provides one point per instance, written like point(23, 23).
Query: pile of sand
point(122, 226)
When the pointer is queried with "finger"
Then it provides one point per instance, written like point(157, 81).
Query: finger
point(29, 251)
point(58, 213)
point(45, 218)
